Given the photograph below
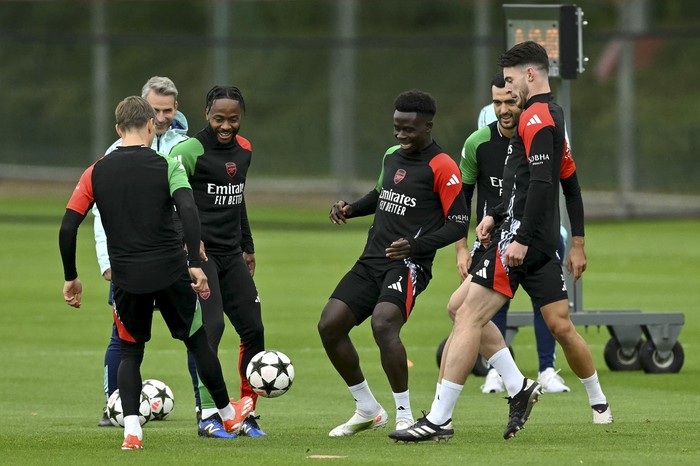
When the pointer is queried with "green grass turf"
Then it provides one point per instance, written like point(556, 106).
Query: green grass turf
point(51, 356)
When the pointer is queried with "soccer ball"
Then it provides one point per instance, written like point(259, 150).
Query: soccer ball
point(270, 373)
point(116, 414)
point(160, 397)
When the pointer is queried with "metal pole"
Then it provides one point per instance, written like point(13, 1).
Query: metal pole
point(632, 19)
point(100, 79)
point(484, 65)
point(342, 97)
point(220, 27)
point(575, 290)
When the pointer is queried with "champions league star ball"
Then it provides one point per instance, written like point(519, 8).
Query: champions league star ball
point(116, 413)
point(270, 373)
point(160, 397)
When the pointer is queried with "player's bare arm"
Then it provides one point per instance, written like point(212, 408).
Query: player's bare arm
point(576, 262)
point(464, 259)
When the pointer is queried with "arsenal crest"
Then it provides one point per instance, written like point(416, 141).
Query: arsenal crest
point(399, 175)
point(231, 169)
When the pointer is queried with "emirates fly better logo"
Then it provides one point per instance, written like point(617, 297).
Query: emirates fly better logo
point(399, 175)
point(231, 169)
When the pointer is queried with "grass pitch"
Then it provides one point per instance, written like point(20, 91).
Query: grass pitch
point(51, 355)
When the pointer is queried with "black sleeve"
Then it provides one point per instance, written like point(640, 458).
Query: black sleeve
point(498, 212)
point(537, 195)
point(246, 235)
point(189, 217)
point(541, 184)
point(366, 205)
point(468, 191)
point(455, 228)
point(574, 204)
point(67, 239)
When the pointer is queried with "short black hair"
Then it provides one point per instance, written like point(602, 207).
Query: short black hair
point(525, 53)
point(415, 101)
point(498, 80)
point(224, 92)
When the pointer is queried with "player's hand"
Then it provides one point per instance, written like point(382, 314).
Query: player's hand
point(200, 282)
point(464, 261)
point(515, 254)
point(484, 229)
point(340, 212)
point(576, 262)
point(202, 252)
point(108, 274)
point(399, 249)
point(73, 293)
point(249, 259)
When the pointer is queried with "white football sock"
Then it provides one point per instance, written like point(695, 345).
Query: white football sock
point(209, 412)
point(227, 412)
point(595, 392)
point(442, 408)
point(403, 405)
point(504, 364)
point(132, 426)
point(365, 402)
point(437, 392)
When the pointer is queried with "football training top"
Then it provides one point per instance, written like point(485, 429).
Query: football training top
point(483, 158)
point(417, 197)
point(531, 174)
point(133, 189)
point(217, 173)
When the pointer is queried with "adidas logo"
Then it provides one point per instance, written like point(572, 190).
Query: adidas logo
point(396, 286)
point(534, 120)
point(481, 273)
point(453, 180)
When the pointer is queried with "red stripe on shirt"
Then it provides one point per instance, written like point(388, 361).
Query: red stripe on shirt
point(244, 143)
point(82, 196)
point(447, 180)
point(568, 166)
point(530, 129)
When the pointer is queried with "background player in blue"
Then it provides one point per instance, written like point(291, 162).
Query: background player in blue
point(170, 128)
point(135, 189)
point(217, 161)
point(523, 251)
point(483, 158)
point(418, 208)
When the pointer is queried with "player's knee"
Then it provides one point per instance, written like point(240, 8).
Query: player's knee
point(215, 330)
point(452, 307)
point(382, 327)
point(327, 330)
point(133, 351)
point(562, 329)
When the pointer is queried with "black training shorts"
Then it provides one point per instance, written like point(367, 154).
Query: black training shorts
point(178, 303)
point(367, 284)
point(540, 274)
